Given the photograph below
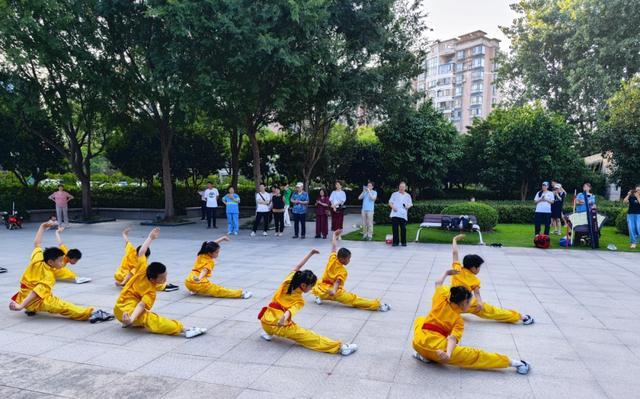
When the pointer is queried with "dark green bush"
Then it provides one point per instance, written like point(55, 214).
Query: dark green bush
point(487, 215)
point(621, 222)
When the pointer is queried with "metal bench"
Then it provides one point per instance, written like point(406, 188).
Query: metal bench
point(435, 220)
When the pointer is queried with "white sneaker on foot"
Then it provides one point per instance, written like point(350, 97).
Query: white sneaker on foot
point(194, 332)
point(266, 336)
point(318, 300)
point(527, 320)
point(523, 368)
point(348, 349)
point(253, 234)
point(264, 233)
point(235, 233)
point(82, 280)
point(423, 359)
point(384, 307)
point(246, 294)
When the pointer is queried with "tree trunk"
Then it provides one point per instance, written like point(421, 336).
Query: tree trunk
point(524, 190)
point(85, 186)
point(167, 184)
point(255, 151)
point(236, 144)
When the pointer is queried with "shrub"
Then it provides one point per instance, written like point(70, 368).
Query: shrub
point(621, 222)
point(487, 215)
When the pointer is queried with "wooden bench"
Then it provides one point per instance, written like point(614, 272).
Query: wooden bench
point(435, 220)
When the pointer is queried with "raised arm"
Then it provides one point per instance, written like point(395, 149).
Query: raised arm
point(58, 236)
point(334, 241)
point(37, 241)
point(125, 234)
point(221, 239)
point(626, 199)
point(306, 259)
point(449, 272)
point(454, 247)
point(153, 234)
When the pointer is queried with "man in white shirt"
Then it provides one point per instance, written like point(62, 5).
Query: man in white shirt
point(211, 194)
point(543, 199)
point(263, 209)
point(400, 202)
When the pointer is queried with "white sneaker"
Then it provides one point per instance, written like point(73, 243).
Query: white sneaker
point(384, 307)
point(523, 368)
point(266, 336)
point(318, 300)
point(246, 294)
point(194, 332)
point(82, 280)
point(348, 349)
point(264, 233)
point(527, 320)
point(423, 359)
point(253, 234)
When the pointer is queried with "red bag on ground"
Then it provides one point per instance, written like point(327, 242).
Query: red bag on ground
point(542, 241)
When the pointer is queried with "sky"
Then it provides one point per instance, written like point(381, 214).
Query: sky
point(452, 18)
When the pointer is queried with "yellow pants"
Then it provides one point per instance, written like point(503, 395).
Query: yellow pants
point(294, 332)
point(64, 273)
point(152, 322)
point(53, 304)
point(210, 289)
point(491, 312)
point(426, 343)
point(321, 290)
point(120, 274)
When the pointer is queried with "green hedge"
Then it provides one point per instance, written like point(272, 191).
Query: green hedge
point(621, 222)
point(487, 215)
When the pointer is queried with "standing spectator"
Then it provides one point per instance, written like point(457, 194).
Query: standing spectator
point(322, 214)
point(300, 200)
point(633, 215)
point(203, 203)
point(277, 200)
point(581, 203)
point(211, 194)
point(263, 207)
point(400, 203)
point(556, 208)
point(286, 193)
point(368, 197)
point(543, 199)
point(62, 198)
point(338, 197)
point(232, 205)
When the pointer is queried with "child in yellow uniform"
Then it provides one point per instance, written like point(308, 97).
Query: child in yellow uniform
point(198, 280)
point(36, 286)
point(130, 262)
point(71, 256)
point(467, 278)
point(436, 337)
point(133, 307)
point(331, 288)
point(277, 317)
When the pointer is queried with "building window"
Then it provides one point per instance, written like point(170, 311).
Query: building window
point(477, 75)
point(460, 54)
point(476, 112)
point(479, 49)
point(476, 100)
point(432, 66)
point(444, 82)
point(476, 86)
point(445, 68)
point(494, 90)
point(457, 103)
point(432, 84)
point(459, 67)
point(478, 62)
point(458, 90)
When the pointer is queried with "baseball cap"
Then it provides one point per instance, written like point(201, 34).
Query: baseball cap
point(545, 183)
point(299, 184)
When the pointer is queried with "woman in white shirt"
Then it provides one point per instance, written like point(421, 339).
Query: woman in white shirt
point(263, 210)
point(337, 199)
point(400, 202)
point(211, 194)
point(543, 199)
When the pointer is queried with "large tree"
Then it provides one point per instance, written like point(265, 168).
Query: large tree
point(621, 134)
point(54, 49)
point(572, 55)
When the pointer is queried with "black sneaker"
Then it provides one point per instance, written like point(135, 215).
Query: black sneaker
point(294, 237)
point(100, 316)
point(29, 313)
point(171, 287)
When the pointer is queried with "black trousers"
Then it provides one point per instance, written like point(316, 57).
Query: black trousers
point(399, 227)
point(261, 216)
point(203, 205)
point(211, 217)
point(542, 218)
point(300, 224)
point(278, 220)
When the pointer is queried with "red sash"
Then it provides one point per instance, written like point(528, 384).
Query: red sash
point(328, 282)
point(272, 305)
point(435, 328)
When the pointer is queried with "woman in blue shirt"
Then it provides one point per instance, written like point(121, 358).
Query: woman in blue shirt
point(368, 197)
point(232, 203)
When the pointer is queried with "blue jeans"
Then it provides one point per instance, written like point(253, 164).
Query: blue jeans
point(232, 220)
point(633, 221)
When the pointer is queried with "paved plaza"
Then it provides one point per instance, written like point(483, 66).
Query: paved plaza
point(584, 344)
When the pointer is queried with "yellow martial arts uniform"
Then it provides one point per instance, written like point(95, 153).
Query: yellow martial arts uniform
point(281, 302)
point(470, 281)
point(65, 273)
point(140, 289)
point(334, 271)
point(445, 319)
point(128, 263)
point(40, 279)
point(204, 286)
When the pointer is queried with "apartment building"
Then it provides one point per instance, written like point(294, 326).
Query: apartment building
point(459, 77)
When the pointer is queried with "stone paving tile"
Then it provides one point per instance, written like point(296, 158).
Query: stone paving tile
point(584, 342)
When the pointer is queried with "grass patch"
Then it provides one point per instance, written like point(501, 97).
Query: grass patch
point(509, 235)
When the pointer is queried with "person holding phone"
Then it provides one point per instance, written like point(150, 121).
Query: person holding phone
point(368, 197)
point(400, 203)
point(633, 214)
